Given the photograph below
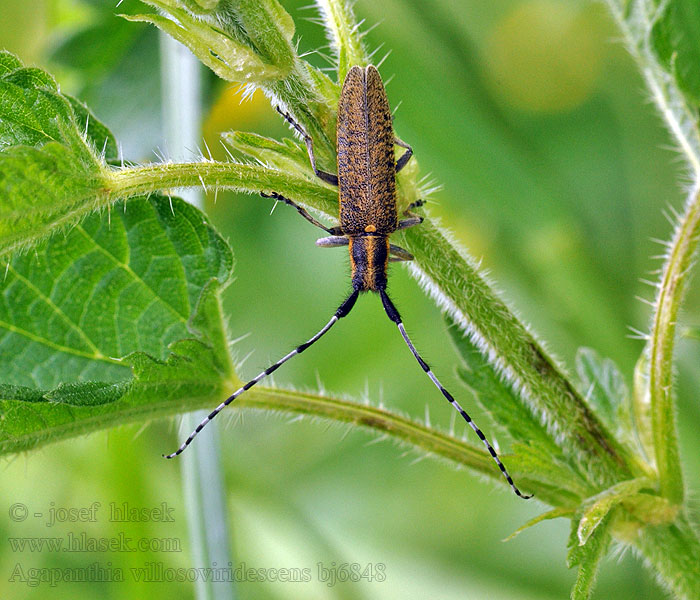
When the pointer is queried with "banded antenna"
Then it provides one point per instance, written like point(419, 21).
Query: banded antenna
point(343, 310)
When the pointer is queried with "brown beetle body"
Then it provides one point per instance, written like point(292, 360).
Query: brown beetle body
point(366, 176)
point(366, 163)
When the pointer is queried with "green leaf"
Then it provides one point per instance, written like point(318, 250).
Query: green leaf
point(325, 88)
point(8, 63)
point(269, 27)
point(495, 396)
point(99, 136)
point(598, 507)
point(263, 25)
point(606, 391)
point(555, 513)
point(51, 164)
point(88, 393)
point(243, 41)
point(587, 557)
point(674, 38)
point(31, 109)
point(558, 483)
point(138, 291)
point(285, 155)
point(604, 388)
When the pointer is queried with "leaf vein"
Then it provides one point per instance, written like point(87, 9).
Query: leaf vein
point(63, 316)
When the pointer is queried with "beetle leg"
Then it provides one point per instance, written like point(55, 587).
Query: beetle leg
point(333, 241)
point(410, 222)
point(302, 211)
point(412, 219)
point(398, 254)
point(416, 204)
point(404, 158)
point(327, 177)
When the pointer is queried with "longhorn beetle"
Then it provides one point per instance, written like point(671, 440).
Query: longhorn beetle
point(366, 181)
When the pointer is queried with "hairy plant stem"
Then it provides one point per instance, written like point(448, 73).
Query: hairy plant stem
point(212, 175)
point(661, 344)
point(673, 551)
point(383, 422)
point(636, 21)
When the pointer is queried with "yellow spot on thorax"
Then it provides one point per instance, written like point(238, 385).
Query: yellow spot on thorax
point(370, 229)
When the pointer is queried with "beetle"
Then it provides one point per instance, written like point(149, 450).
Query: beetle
point(366, 180)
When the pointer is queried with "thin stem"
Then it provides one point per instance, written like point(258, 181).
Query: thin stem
point(382, 422)
point(128, 182)
point(636, 21)
point(661, 344)
point(202, 475)
point(402, 429)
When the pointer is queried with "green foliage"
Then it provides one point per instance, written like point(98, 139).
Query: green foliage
point(137, 290)
point(539, 456)
point(606, 391)
point(674, 38)
point(596, 509)
point(665, 46)
point(52, 156)
point(118, 317)
point(587, 556)
point(251, 47)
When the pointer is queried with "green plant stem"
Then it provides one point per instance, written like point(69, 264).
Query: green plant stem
point(673, 550)
point(402, 429)
point(661, 344)
point(128, 182)
point(202, 474)
point(635, 22)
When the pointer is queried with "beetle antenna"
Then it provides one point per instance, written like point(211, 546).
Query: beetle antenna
point(342, 311)
point(393, 314)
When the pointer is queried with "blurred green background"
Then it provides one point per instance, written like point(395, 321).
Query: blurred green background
point(556, 173)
